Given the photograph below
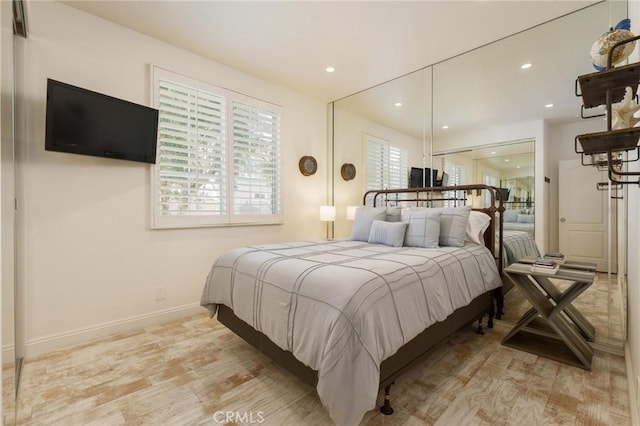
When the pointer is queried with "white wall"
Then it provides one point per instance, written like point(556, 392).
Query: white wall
point(90, 263)
point(7, 187)
point(6, 214)
point(633, 254)
point(633, 295)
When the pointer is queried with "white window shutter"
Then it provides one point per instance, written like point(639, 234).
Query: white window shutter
point(256, 160)
point(387, 164)
point(218, 156)
point(456, 177)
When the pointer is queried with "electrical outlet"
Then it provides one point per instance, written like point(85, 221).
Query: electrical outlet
point(161, 293)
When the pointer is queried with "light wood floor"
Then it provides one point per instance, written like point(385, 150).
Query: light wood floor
point(182, 373)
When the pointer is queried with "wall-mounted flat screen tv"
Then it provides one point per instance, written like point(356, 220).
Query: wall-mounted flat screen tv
point(81, 121)
point(422, 178)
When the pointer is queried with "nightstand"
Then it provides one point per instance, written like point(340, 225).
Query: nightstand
point(553, 327)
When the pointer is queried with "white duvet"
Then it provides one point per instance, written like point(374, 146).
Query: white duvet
point(342, 307)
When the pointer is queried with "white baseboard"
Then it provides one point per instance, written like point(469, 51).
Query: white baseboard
point(54, 342)
point(8, 355)
point(633, 389)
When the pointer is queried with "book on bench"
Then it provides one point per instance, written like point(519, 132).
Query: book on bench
point(543, 265)
point(556, 257)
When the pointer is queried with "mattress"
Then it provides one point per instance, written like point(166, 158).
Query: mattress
point(342, 307)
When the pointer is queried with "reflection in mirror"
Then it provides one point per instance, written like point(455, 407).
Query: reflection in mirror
point(484, 98)
point(382, 132)
point(487, 98)
point(509, 166)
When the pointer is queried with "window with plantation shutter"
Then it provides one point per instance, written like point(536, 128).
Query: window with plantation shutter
point(387, 164)
point(256, 159)
point(218, 156)
point(490, 180)
point(456, 177)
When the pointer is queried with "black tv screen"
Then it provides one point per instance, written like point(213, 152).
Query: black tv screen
point(422, 178)
point(81, 121)
point(416, 177)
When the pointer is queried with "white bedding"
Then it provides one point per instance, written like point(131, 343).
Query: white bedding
point(342, 307)
point(513, 226)
point(517, 245)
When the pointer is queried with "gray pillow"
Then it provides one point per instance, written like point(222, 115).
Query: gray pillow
point(363, 219)
point(423, 227)
point(453, 226)
point(394, 214)
point(510, 215)
point(387, 233)
point(526, 218)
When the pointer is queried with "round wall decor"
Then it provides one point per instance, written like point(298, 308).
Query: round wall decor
point(308, 165)
point(348, 171)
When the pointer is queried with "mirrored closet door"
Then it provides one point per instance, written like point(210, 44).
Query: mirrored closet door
point(496, 115)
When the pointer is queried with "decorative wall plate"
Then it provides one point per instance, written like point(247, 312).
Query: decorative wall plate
point(348, 171)
point(308, 165)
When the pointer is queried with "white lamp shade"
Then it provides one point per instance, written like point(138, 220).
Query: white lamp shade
point(328, 213)
point(351, 212)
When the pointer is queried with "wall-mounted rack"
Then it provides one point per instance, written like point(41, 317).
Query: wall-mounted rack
point(604, 186)
point(609, 149)
point(601, 163)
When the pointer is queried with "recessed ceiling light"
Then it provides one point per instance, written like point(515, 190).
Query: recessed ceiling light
point(445, 127)
point(525, 66)
point(493, 153)
point(517, 167)
point(548, 106)
point(398, 104)
point(330, 69)
point(506, 160)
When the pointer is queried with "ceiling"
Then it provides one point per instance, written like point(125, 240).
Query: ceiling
point(486, 87)
point(292, 42)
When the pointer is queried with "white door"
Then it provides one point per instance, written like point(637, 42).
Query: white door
point(584, 215)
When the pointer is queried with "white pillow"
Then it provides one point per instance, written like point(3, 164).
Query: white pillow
point(363, 219)
point(453, 226)
point(478, 224)
point(387, 233)
point(423, 227)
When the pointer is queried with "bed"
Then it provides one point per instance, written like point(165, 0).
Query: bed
point(518, 244)
point(350, 316)
point(519, 220)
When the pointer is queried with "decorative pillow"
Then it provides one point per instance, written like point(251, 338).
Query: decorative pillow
point(526, 218)
point(478, 223)
point(363, 219)
point(510, 215)
point(453, 226)
point(394, 214)
point(387, 233)
point(423, 227)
